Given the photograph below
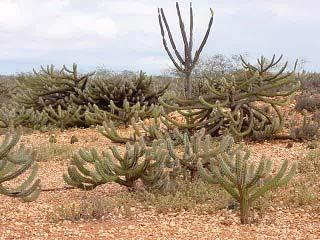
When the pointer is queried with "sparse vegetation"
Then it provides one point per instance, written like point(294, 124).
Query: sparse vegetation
point(54, 152)
point(173, 146)
point(197, 196)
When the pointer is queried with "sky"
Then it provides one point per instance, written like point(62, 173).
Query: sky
point(125, 35)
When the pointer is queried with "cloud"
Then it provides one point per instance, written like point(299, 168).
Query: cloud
point(296, 11)
point(125, 33)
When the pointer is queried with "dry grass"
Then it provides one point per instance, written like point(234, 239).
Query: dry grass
point(54, 152)
point(197, 196)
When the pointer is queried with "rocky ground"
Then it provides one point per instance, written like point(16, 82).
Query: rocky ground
point(285, 218)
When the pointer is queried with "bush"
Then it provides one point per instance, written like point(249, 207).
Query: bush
point(197, 196)
point(87, 209)
point(311, 163)
point(308, 102)
point(310, 82)
point(309, 130)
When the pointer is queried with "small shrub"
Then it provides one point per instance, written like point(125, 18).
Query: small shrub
point(308, 102)
point(309, 130)
point(197, 196)
point(189, 196)
point(73, 139)
point(87, 209)
point(311, 163)
point(310, 82)
point(300, 192)
point(303, 195)
point(51, 152)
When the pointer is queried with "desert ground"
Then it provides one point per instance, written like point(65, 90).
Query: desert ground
point(291, 212)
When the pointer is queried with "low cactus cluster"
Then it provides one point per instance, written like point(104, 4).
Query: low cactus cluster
point(65, 98)
point(13, 164)
point(161, 164)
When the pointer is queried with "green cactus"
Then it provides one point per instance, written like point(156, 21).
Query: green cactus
point(131, 167)
point(109, 130)
point(163, 171)
point(246, 103)
point(51, 87)
point(73, 115)
point(13, 165)
point(197, 148)
point(118, 89)
point(70, 99)
point(12, 116)
point(243, 180)
point(124, 114)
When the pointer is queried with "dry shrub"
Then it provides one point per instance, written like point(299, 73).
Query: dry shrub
point(308, 102)
point(54, 152)
point(308, 130)
point(189, 196)
point(198, 196)
point(311, 163)
point(86, 209)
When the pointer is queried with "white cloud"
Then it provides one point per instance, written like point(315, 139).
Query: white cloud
point(125, 33)
point(296, 10)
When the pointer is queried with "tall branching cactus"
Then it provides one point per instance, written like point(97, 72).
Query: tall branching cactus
point(246, 103)
point(13, 165)
point(243, 180)
point(186, 62)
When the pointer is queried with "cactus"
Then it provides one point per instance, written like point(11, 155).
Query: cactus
point(131, 167)
point(70, 99)
point(53, 139)
point(109, 130)
point(163, 171)
point(122, 91)
point(73, 115)
point(51, 87)
point(73, 139)
point(13, 165)
point(148, 131)
point(243, 180)
point(197, 148)
point(309, 130)
point(12, 116)
point(95, 115)
point(184, 63)
point(246, 104)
